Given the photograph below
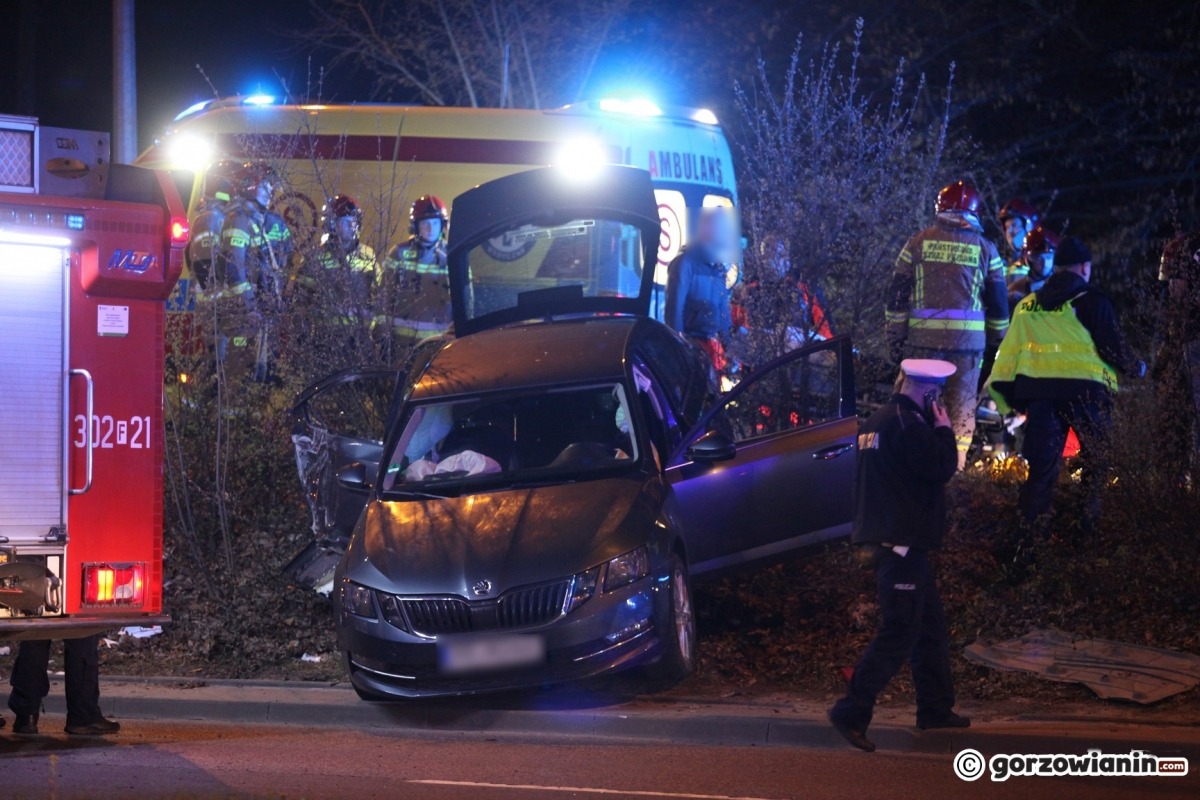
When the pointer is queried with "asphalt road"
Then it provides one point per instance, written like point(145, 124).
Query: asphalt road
point(201, 760)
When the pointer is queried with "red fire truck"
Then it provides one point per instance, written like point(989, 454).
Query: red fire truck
point(88, 253)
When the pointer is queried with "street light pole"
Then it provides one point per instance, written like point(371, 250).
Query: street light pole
point(125, 147)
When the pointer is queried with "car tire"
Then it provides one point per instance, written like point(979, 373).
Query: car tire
point(677, 627)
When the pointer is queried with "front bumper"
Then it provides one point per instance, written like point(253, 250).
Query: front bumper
point(384, 660)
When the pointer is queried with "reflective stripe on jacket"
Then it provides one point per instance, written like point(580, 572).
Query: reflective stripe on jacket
point(948, 291)
point(1045, 343)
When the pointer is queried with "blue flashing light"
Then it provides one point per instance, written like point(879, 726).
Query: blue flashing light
point(258, 100)
point(638, 108)
point(75, 222)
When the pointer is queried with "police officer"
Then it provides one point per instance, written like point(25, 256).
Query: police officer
point(906, 455)
point(415, 280)
point(343, 270)
point(81, 669)
point(697, 296)
point(1177, 365)
point(948, 301)
point(256, 247)
point(1059, 365)
point(1018, 218)
point(204, 239)
point(1037, 258)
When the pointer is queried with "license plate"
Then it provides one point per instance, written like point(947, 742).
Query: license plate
point(485, 653)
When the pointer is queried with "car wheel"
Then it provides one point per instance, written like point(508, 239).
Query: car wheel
point(677, 633)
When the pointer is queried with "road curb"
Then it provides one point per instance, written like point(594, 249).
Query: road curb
point(323, 705)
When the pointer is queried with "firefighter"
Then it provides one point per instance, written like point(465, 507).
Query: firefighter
point(256, 247)
point(948, 301)
point(697, 296)
point(81, 671)
point(204, 239)
point(1037, 256)
point(415, 280)
point(1059, 366)
point(342, 273)
point(906, 455)
point(1018, 219)
point(1177, 364)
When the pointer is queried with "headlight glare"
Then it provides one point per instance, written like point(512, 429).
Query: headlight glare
point(357, 600)
point(627, 568)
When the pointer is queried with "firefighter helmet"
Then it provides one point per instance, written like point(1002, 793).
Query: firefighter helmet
point(428, 206)
point(338, 206)
point(959, 196)
point(1039, 242)
point(247, 177)
point(218, 180)
point(1019, 208)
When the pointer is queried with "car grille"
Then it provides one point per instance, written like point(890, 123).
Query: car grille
point(520, 608)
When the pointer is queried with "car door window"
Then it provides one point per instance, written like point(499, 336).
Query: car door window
point(680, 373)
point(355, 409)
point(801, 393)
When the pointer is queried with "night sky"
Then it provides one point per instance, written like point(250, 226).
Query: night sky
point(243, 46)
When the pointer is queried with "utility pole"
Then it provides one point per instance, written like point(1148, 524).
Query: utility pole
point(125, 144)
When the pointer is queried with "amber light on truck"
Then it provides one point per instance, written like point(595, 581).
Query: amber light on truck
point(179, 231)
point(114, 584)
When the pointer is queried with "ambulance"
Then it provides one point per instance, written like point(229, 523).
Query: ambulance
point(89, 251)
point(388, 155)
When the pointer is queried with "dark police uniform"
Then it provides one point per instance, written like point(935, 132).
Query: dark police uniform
point(81, 669)
point(903, 466)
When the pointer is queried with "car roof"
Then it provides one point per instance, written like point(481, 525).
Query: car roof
point(548, 353)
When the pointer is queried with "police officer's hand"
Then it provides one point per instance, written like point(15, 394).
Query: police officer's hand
point(941, 417)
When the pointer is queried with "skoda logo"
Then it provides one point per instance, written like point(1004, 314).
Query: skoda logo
point(482, 587)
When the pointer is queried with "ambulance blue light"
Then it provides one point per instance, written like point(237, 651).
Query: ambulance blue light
point(258, 100)
point(640, 108)
point(705, 116)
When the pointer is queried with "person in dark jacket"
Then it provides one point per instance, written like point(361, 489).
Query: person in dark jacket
point(1059, 365)
point(697, 297)
point(906, 456)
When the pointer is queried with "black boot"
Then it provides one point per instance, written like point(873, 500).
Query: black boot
point(98, 727)
point(947, 720)
point(853, 735)
point(25, 725)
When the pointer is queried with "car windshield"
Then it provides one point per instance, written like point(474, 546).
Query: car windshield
point(498, 439)
point(581, 258)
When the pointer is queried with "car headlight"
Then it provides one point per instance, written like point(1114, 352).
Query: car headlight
point(583, 586)
point(627, 568)
point(357, 600)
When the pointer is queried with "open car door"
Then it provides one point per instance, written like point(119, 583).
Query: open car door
point(338, 427)
point(770, 467)
point(553, 242)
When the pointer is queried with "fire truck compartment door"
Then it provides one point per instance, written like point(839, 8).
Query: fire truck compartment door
point(33, 387)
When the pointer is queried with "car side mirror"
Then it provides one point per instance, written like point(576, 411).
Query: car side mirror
point(354, 477)
point(712, 446)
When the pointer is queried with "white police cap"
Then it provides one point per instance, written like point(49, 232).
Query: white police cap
point(927, 370)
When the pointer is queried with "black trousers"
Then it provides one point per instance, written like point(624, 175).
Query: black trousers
point(31, 684)
point(1046, 426)
point(913, 630)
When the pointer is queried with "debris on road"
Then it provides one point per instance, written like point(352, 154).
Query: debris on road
point(141, 632)
point(1113, 670)
point(309, 657)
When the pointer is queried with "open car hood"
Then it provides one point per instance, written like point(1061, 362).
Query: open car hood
point(551, 242)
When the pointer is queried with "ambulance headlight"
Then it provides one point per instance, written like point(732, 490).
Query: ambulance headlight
point(581, 159)
point(189, 151)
